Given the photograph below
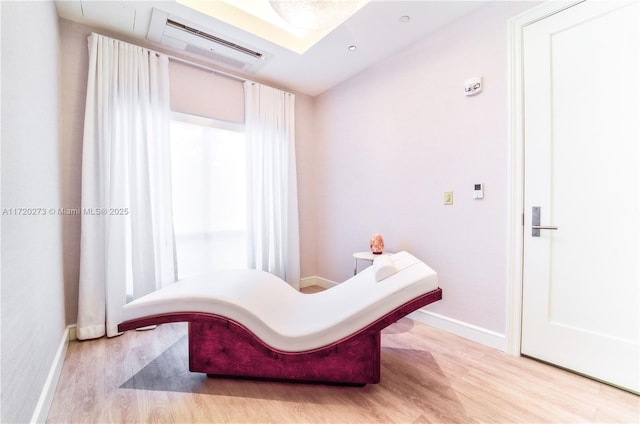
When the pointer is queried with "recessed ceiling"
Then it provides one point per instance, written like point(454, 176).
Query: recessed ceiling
point(375, 29)
point(259, 18)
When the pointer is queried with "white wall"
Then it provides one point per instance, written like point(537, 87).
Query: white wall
point(393, 139)
point(33, 321)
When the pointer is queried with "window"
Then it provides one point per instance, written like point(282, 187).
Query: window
point(208, 165)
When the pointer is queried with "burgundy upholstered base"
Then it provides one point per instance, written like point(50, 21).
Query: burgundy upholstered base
point(222, 347)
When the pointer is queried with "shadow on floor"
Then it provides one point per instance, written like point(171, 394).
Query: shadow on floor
point(169, 372)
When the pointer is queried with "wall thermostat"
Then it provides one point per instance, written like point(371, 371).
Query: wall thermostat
point(478, 191)
point(473, 86)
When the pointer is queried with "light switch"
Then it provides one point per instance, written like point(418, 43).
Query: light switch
point(448, 197)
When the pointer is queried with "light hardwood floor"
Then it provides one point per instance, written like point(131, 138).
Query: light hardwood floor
point(428, 376)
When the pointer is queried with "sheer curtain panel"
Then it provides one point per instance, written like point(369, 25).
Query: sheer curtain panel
point(127, 244)
point(273, 199)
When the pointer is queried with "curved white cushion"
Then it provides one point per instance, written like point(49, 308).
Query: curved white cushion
point(383, 267)
point(284, 318)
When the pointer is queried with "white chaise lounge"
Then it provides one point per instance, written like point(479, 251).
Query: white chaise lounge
point(248, 323)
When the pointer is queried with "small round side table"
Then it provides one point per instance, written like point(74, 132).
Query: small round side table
point(364, 256)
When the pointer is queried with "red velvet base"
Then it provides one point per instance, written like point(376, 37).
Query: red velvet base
point(222, 347)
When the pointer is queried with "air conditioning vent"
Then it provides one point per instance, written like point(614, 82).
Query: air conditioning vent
point(213, 38)
point(178, 34)
point(216, 57)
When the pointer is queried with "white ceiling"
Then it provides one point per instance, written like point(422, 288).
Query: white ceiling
point(374, 29)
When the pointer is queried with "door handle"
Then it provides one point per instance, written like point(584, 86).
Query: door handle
point(535, 223)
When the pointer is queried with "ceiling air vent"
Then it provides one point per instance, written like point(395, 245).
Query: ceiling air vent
point(177, 34)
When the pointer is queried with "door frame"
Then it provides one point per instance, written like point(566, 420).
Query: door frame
point(515, 172)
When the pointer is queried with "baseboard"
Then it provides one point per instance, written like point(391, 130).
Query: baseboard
point(73, 335)
point(441, 322)
point(48, 391)
point(317, 281)
point(460, 328)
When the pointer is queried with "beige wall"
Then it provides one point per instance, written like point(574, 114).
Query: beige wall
point(73, 88)
point(33, 322)
point(306, 167)
point(201, 92)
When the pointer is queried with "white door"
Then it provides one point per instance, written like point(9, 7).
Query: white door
point(581, 119)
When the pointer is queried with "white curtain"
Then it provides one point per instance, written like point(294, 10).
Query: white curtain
point(273, 199)
point(127, 229)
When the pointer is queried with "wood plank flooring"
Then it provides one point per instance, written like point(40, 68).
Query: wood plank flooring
point(428, 376)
